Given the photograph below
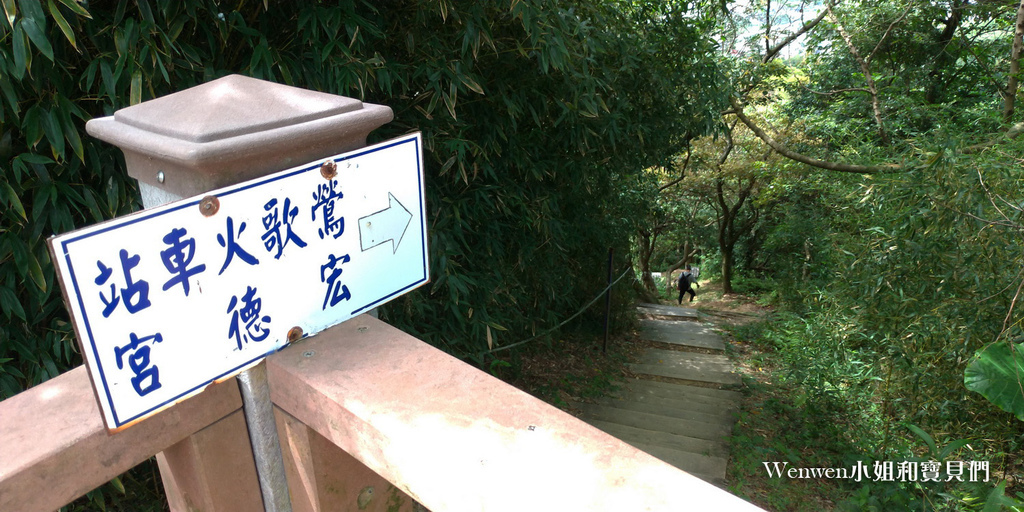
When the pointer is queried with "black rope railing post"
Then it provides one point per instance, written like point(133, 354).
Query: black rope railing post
point(608, 301)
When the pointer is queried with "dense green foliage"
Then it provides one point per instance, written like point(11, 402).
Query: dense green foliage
point(535, 116)
point(898, 291)
point(557, 130)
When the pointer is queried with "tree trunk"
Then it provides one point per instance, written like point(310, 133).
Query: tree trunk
point(644, 293)
point(865, 67)
point(646, 251)
point(1010, 95)
point(943, 59)
point(806, 275)
point(688, 253)
point(726, 268)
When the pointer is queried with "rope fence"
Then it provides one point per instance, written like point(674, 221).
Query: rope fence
point(567, 320)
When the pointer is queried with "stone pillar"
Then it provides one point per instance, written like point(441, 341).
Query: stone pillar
point(214, 135)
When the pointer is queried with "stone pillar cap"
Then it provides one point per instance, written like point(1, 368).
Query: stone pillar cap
point(234, 129)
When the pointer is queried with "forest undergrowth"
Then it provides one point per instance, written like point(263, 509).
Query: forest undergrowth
point(800, 411)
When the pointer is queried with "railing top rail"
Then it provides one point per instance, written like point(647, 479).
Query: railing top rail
point(456, 438)
point(55, 447)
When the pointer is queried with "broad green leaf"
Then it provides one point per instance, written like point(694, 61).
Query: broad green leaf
point(22, 58)
point(33, 158)
point(996, 499)
point(14, 201)
point(10, 11)
point(69, 128)
point(63, 24)
point(472, 84)
point(10, 304)
point(77, 7)
point(145, 10)
point(997, 373)
point(924, 437)
point(32, 125)
point(10, 95)
point(116, 482)
point(37, 34)
point(54, 133)
point(32, 9)
point(36, 272)
point(108, 79)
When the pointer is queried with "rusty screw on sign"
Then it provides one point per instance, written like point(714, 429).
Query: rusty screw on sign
point(294, 334)
point(329, 170)
point(209, 205)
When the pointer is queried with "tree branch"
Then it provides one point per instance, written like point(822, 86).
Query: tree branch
point(814, 162)
point(1010, 134)
point(887, 32)
point(1015, 54)
point(682, 173)
point(729, 144)
point(773, 51)
point(865, 67)
point(837, 91)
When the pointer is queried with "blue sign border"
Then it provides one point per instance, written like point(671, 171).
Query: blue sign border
point(142, 216)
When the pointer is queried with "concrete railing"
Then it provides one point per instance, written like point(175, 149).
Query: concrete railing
point(369, 418)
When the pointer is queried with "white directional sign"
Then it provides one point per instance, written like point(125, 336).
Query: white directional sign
point(170, 299)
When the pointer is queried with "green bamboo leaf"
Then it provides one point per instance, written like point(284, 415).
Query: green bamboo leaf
point(145, 10)
point(924, 437)
point(37, 34)
point(10, 304)
point(449, 102)
point(116, 482)
point(10, 95)
point(32, 126)
point(108, 79)
point(996, 499)
point(54, 133)
point(51, 368)
point(472, 84)
point(22, 59)
point(997, 373)
point(93, 205)
point(136, 88)
point(77, 8)
point(70, 130)
point(33, 158)
point(63, 24)
point(31, 9)
point(35, 271)
point(10, 11)
point(14, 201)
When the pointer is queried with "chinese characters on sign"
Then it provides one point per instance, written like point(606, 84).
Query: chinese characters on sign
point(889, 471)
point(168, 300)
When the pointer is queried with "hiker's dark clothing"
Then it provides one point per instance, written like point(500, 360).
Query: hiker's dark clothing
point(686, 286)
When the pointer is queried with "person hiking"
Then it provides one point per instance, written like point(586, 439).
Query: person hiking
point(686, 282)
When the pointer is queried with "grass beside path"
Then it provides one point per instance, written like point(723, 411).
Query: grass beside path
point(774, 425)
point(779, 421)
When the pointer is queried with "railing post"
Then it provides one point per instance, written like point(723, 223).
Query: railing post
point(191, 142)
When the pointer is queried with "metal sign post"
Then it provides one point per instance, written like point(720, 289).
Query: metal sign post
point(266, 447)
